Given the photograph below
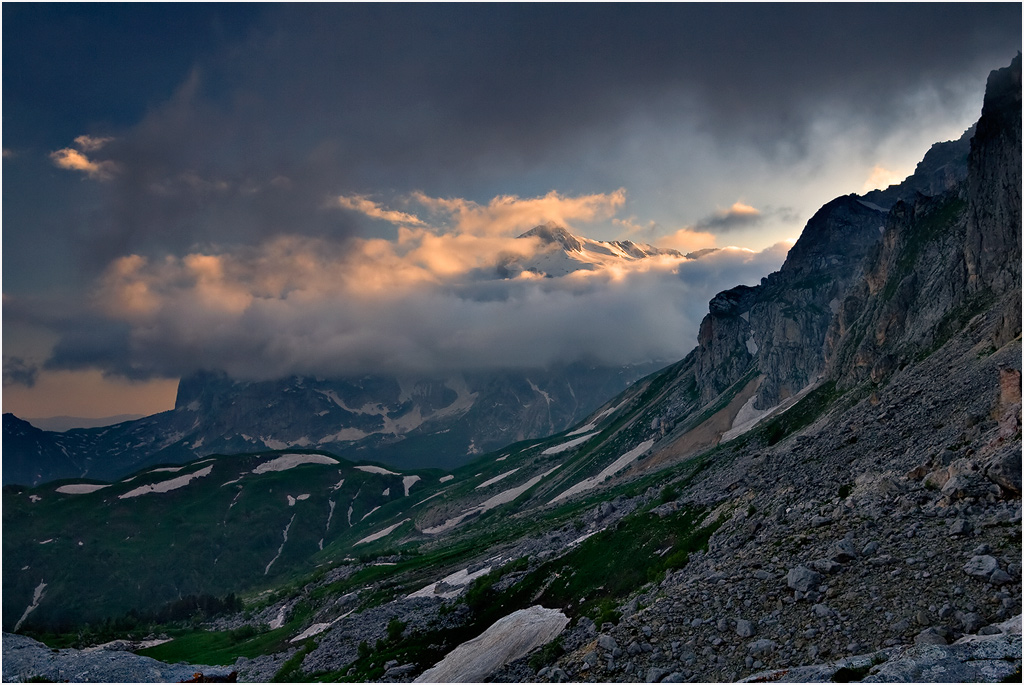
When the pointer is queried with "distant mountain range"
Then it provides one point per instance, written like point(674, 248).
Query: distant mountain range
point(59, 424)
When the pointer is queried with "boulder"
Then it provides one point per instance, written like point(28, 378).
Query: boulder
point(981, 566)
point(802, 579)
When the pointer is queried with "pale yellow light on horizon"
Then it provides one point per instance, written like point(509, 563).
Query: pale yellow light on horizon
point(881, 178)
point(87, 394)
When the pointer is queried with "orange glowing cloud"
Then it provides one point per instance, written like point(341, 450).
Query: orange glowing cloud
point(688, 240)
point(364, 205)
point(91, 143)
point(70, 158)
point(76, 160)
point(509, 214)
point(881, 178)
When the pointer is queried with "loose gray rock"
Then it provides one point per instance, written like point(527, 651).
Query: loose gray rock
point(961, 526)
point(607, 642)
point(930, 636)
point(981, 566)
point(803, 579)
point(759, 647)
point(1000, 577)
point(655, 674)
point(744, 628)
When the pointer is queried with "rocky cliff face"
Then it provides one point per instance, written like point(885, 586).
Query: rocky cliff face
point(943, 259)
point(780, 325)
point(866, 290)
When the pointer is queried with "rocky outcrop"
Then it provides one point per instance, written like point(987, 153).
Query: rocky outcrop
point(971, 659)
point(994, 187)
point(943, 167)
point(25, 659)
point(943, 259)
point(780, 325)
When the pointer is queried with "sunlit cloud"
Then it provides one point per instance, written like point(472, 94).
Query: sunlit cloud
point(688, 240)
point(89, 143)
point(426, 302)
point(509, 214)
point(74, 160)
point(364, 205)
point(739, 215)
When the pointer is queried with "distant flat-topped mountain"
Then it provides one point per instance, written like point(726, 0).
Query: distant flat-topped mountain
point(59, 424)
point(410, 422)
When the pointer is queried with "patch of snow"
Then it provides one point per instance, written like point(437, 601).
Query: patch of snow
point(230, 482)
point(436, 494)
point(166, 469)
point(368, 513)
point(376, 469)
point(37, 498)
point(871, 205)
point(456, 580)
point(608, 471)
point(291, 501)
point(198, 443)
point(502, 458)
point(126, 645)
point(582, 429)
point(533, 386)
point(167, 485)
point(345, 435)
point(278, 620)
point(289, 461)
point(508, 639)
point(46, 542)
point(408, 482)
point(79, 489)
point(281, 548)
point(338, 485)
point(273, 444)
point(314, 629)
point(833, 305)
point(36, 597)
point(497, 478)
point(386, 493)
point(568, 445)
point(445, 479)
point(746, 418)
point(303, 496)
point(503, 497)
point(378, 535)
point(751, 345)
point(583, 537)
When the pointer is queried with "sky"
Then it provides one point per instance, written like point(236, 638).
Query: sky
point(329, 189)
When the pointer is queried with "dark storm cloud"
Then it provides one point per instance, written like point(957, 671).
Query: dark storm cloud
point(327, 99)
point(17, 371)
